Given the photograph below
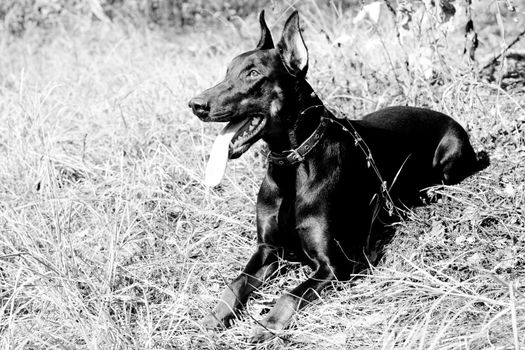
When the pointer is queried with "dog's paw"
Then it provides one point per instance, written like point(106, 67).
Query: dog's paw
point(482, 160)
point(261, 335)
point(429, 196)
point(214, 323)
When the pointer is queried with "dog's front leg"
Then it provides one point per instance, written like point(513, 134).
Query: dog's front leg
point(288, 304)
point(261, 265)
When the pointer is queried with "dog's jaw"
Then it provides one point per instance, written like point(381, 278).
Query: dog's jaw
point(246, 136)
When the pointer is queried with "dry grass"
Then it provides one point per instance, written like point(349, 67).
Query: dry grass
point(109, 239)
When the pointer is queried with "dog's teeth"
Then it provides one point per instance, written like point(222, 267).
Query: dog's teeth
point(243, 137)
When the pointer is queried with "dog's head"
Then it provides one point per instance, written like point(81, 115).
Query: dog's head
point(252, 96)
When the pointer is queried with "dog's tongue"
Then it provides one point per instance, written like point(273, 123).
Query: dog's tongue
point(219, 154)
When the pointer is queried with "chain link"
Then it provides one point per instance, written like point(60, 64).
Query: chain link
point(370, 163)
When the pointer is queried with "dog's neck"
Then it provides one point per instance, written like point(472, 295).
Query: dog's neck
point(307, 116)
point(302, 117)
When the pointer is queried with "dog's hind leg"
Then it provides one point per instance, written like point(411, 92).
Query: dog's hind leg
point(455, 159)
point(260, 267)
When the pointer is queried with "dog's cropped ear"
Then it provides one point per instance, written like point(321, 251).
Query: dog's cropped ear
point(292, 49)
point(265, 42)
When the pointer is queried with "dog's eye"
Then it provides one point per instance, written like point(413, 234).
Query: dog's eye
point(254, 74)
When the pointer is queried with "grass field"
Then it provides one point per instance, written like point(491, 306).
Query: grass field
point(109, 239)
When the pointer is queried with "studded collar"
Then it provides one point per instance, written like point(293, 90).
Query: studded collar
point(297, 155)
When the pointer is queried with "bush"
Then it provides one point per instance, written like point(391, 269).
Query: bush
point(19, 15)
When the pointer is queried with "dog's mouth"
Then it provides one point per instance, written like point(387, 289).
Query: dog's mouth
point(231, 143)
point(246, 136)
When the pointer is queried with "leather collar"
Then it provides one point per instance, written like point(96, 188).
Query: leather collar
point(297, 155)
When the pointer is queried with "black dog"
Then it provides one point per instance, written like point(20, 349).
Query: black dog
point(329, 180)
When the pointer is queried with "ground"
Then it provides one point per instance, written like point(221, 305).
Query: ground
point(109, 239)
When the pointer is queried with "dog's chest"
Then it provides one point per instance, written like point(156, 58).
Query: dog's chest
point(292, 218)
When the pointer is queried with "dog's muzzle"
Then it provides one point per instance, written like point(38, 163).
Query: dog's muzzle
point(200, 107)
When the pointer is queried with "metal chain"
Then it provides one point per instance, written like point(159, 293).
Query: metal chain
point(370, 163)
point(359, 142)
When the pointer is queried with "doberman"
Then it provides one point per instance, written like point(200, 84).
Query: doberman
point(329, 180)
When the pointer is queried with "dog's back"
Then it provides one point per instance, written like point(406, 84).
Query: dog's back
point(426, 125)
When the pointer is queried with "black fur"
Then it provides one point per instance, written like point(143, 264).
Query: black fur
point(328, 210)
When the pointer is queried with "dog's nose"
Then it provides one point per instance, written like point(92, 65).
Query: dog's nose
point(199, 106)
